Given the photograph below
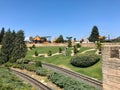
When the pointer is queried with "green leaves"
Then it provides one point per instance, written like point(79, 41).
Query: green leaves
point(68, 83)
point(13, 46)
point(94, 34)
point(84, 60)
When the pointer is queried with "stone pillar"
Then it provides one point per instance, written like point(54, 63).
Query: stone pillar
point(111, 67)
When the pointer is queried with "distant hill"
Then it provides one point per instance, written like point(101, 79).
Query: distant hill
point(116, 39)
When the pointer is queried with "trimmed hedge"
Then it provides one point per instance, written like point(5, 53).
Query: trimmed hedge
point(84, 60)
point(68, 83)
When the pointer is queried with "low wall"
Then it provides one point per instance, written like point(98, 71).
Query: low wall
point(48, 44)
point(111, 66)
point(88, 45)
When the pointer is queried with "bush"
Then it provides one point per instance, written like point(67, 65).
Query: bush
point(78, 45)
point(36, 53)
point(33, 46)
point(75, 50)
point(49, 53)
point(60, 50)
point(30, 67)
point(84, 60)
point(8, 64)
point(22, 61)
point(41, 71)
point(68, 83)
point(38, 64)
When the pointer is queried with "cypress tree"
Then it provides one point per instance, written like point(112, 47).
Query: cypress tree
point(2, 34)
point(7, 46)
point(20, 48)
point(94, 34)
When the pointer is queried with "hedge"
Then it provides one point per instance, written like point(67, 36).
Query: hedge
point(68, 83)
point(84, 60)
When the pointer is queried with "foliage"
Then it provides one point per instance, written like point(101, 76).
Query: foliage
point(33, 46)
point(7, 47)
point(68, 83)
point(38, 64)
point(99, 46)
point(95, 71)
point(84, 60)
point(94, 35)
point(9, 81)
point(22, 61)
point(75, 50)
point(20, 49)
point(49, 53)
point(60, 50)
point(60, 39)
point(41, 71)
point(69, 41)
point(13, 46)
point(36, 53)
point(78, 45)
point(2, 34)
point(31, 39)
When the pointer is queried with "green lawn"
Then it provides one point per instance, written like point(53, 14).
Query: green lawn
point(93, 71)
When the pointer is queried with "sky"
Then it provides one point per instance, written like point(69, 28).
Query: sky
point(74, 18)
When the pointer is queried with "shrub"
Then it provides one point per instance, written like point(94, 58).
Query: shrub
point(49, 53)
point(60, 50)
point(41, 71)
point(8, 64)
point(33, 46)
point(68, 83)
point(78, 45)
point(22, 61)
point(84, 60)
point(30, 67)
point(36, 53)
point(38, 64)
point(30, 48)
point(75, 49)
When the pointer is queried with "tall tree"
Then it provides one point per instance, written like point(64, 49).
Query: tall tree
point(7, 46)
point(20, 49)
point(94, 34)
point(2, 34)
point(60, 39)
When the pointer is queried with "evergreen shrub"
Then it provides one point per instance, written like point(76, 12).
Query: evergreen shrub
point(84, 60)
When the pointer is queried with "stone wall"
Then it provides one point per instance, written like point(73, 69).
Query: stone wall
point(111, 66)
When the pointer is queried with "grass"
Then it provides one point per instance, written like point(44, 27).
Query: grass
point(9, 81)
point(94, 71)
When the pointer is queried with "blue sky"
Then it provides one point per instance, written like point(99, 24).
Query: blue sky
point(74, 18)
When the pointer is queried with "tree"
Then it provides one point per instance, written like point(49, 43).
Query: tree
point(99, 47)
point(75, 49)
point(2, 34)
point(20, 49)
point(31, 39)
point(94, 34)
point(69, 41)
point(7, 47)
point(60, 39)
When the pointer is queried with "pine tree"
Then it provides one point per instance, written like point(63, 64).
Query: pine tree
point(94, 34)
point(2, 34)
point(20, 48)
